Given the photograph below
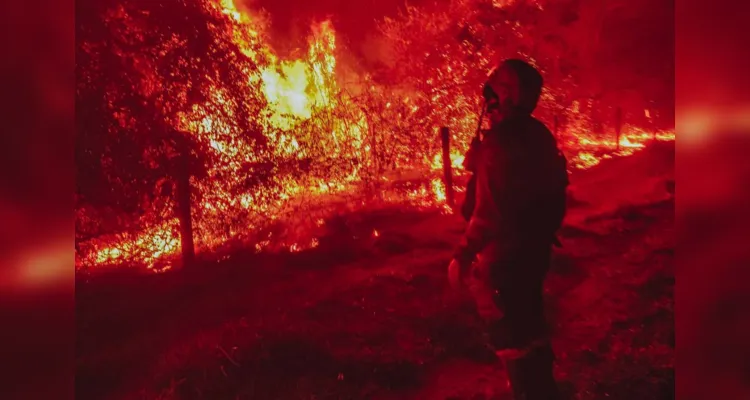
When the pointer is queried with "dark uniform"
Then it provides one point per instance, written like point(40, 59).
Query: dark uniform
point(521, 181)
point(467, 208)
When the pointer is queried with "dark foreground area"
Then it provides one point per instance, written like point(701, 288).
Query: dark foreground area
point(369, 316)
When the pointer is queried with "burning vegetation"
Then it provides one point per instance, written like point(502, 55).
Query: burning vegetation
point(185, 112)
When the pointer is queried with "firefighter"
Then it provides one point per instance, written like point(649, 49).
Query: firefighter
point(521, 183)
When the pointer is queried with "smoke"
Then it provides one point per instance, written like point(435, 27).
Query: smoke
point(355, 23)
point(354, 20)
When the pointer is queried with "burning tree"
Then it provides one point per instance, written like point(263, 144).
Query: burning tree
point(148, 73)
point(180, 95)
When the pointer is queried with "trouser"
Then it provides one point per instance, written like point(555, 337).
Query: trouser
point(508, 290)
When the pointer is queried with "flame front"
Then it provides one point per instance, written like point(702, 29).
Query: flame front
point(309, 117)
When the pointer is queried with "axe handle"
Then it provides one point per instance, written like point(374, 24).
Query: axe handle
point(479, 123)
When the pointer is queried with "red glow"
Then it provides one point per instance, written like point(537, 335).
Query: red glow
point(300, 91)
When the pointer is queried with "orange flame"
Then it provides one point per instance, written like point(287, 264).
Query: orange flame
point(297, 91)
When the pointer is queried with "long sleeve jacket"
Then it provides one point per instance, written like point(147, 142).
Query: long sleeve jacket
point(521, 179)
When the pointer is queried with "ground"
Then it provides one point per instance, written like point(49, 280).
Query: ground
point(371, 317)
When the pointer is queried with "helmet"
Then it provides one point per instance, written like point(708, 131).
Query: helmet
point(523, 85)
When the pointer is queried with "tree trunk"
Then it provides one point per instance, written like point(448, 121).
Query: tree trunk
point(447, 167)
point(182, 180)
point(618, 126)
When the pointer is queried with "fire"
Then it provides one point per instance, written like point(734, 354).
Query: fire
point(157, 242)
point(438, 187)
point(457, 160)
point(310, 117)
point(285, 91)
point(294, 89)
point(590, 150)
point(230, 9)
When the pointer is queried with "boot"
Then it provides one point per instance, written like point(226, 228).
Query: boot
point(531, 376)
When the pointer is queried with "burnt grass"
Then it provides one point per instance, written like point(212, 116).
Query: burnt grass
point(370, 317)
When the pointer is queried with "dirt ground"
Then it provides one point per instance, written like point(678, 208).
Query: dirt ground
point(367, 316)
